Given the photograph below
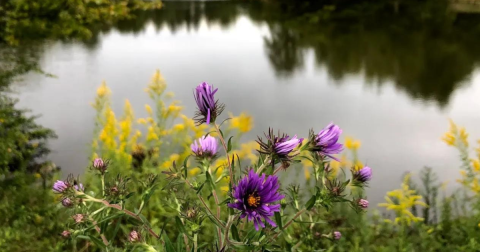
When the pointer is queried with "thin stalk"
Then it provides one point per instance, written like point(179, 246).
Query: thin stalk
point(104, 239)
point(265, 162)
point(226, 153)
point(219, 231)
point(103, 185)
point(195, 246)
point(288, 224)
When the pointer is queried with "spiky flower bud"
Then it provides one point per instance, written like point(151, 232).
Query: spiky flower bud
point(78, 218)
point(67, 202)
point(362, 203)
point(337, 235)
point(363, 175)
point(208, 108)
point(60, 186)
point(65, 233)
point(100, 165)
point(134, 236)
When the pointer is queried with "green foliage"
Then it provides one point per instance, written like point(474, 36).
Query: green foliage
point(26, 19)
point(24, 142)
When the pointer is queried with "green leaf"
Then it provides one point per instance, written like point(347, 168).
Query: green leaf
point(180, 243)
point(311, 202)
point(229, 145)
point(235, 233)
point(210, 180)
point(168, 244)
point(97, 242)
point(180, 226)
point(278, 219)
point(185, 166)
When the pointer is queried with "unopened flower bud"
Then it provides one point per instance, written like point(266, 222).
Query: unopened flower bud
point(60, 186)
point(363, 203)
point(191, 213)
point(100, 165)
point(65, 233)
point(67, 202)
point(133, 236)
point(79, 187)
point(363, 175)
point(337, 235)
point(78, 218)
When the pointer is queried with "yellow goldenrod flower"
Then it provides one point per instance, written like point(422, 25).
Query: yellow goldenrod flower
point(149, 109)
point(243, 122)
point(103, 90)
point(352, 144)
point(401, 202)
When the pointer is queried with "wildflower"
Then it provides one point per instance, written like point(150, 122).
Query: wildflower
point(352, 144)
point(337, 235)
point(335, 187)
point(100, 165)
point(362, 203)
point(67, 202)
point(205, 146)
point(65, 233)
point(280, 147)
point(79, 187)
point(254, 196)
point(78, 218)
point(401, 201)
point(60, 186)
point(363, 175)
point(208, 108)
point(133, 236)
point(243, 122)
point(325, 143)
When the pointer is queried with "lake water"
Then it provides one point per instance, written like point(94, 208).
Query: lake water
point(395, 91)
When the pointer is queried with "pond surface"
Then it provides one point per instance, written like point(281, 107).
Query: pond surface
point(392, 89)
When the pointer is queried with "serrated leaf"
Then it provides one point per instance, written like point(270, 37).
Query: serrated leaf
point(234, 231)
point(229, 144)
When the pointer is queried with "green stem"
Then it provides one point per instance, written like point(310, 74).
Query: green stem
point(265, 162)
point(226, 153)
point(195, 242)
point(288, 224)
point(103, 185)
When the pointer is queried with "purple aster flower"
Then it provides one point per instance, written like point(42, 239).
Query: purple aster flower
point(337, 235)
point(363, 175)
point(60, 186)
point(279, 147)
point(362, 203)
point(205, 146)
point(325, 143)
point(208, 108)
point(254, 196)
point(284, 145)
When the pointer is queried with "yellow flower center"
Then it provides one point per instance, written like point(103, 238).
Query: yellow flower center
point(253, 200)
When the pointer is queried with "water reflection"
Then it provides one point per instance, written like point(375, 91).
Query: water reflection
point(427, 61)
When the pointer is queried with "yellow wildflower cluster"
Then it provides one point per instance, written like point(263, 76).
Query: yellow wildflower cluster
point(470, 174)
point(243, 122)
point(401, 202)
point(456, 136)
point(168, 133)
